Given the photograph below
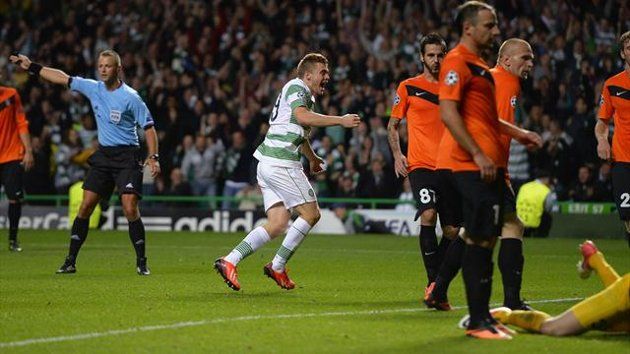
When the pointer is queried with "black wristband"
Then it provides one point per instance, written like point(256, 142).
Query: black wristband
point(34, 69)
point(155, 157)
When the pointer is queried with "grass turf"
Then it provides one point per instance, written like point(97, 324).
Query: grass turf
point(355, 294)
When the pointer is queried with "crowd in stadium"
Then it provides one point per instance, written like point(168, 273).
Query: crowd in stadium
point(210, 72)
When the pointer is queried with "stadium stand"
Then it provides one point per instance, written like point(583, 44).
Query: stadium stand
point(211, 69)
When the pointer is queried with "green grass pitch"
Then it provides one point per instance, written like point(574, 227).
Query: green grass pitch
point(355, 294)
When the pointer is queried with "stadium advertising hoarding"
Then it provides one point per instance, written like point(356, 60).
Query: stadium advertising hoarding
point(576, 221)
point(164, 219)
point(194, 219)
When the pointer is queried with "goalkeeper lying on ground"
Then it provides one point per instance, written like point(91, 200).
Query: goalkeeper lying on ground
point(608, 310)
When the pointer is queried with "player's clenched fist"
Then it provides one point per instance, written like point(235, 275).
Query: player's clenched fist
point(350, 120)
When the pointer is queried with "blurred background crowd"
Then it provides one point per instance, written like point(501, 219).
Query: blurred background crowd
point(210, 71)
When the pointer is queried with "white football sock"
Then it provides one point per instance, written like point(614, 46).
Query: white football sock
point(253, 241)
point(298, 230)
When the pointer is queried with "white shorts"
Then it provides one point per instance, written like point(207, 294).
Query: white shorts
point(284, 184)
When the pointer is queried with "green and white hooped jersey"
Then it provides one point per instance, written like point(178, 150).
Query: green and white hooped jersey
point(285, 135)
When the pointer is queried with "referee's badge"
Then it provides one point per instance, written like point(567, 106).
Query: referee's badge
point(396, 99)
point(451, 78)
point(601, 100)
point(513, 101)
point(114, 116)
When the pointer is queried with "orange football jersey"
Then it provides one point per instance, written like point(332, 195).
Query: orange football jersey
point(417, 101)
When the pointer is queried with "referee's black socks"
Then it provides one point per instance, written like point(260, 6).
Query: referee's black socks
point(511, 265)
point(15, 211)
point(477, 271)
point(136, 235)
point(77, 236)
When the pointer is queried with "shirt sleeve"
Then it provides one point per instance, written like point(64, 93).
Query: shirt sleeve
point(507, 99)
point(87, 87)
point(400, 104)
point(142, 114)
point(20, 117)
point(453, 78)
point(606, 109)
point(297, 96)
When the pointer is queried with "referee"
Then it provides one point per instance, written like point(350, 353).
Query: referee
point(118, 110)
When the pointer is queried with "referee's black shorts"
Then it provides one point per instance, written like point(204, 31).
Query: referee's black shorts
point(482, 204)
point(11, 173)
point(119, 166)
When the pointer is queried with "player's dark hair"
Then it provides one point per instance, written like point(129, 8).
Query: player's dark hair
point(468, 12)
point(623, 39)
point(432, 38)
point(309, 61)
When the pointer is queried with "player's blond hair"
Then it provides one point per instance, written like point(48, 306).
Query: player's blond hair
point(111, 53)
point(509, 43)
point(309, 60)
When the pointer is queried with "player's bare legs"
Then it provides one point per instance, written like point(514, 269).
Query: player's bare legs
point(277, 220)
point(309, 215)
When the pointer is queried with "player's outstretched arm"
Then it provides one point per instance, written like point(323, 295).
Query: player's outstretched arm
point(55, 76)
point(312, 119)
point(455, 124)
point(603, 146)
point(526, 137)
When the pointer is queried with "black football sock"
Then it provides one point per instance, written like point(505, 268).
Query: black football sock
point(442, 248)
point(77, 236)
point(429, 250)
point(477, 272)
point(511, 265)
point(136, 235)
point(450, 266)
point(15, 211)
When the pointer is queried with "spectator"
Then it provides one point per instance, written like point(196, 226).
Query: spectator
point(375, 183)
point(603, 184)
point(236, 167)
point(406, 201)
point(583, 189)
point(199, 166)
point(68, 171)
point(179, 187)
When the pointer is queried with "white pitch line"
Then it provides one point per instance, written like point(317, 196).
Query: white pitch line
point(115, 332)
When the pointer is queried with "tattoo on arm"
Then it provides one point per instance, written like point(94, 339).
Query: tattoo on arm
point(392, 135)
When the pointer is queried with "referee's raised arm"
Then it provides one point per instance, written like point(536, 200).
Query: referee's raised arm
point(55, 76)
